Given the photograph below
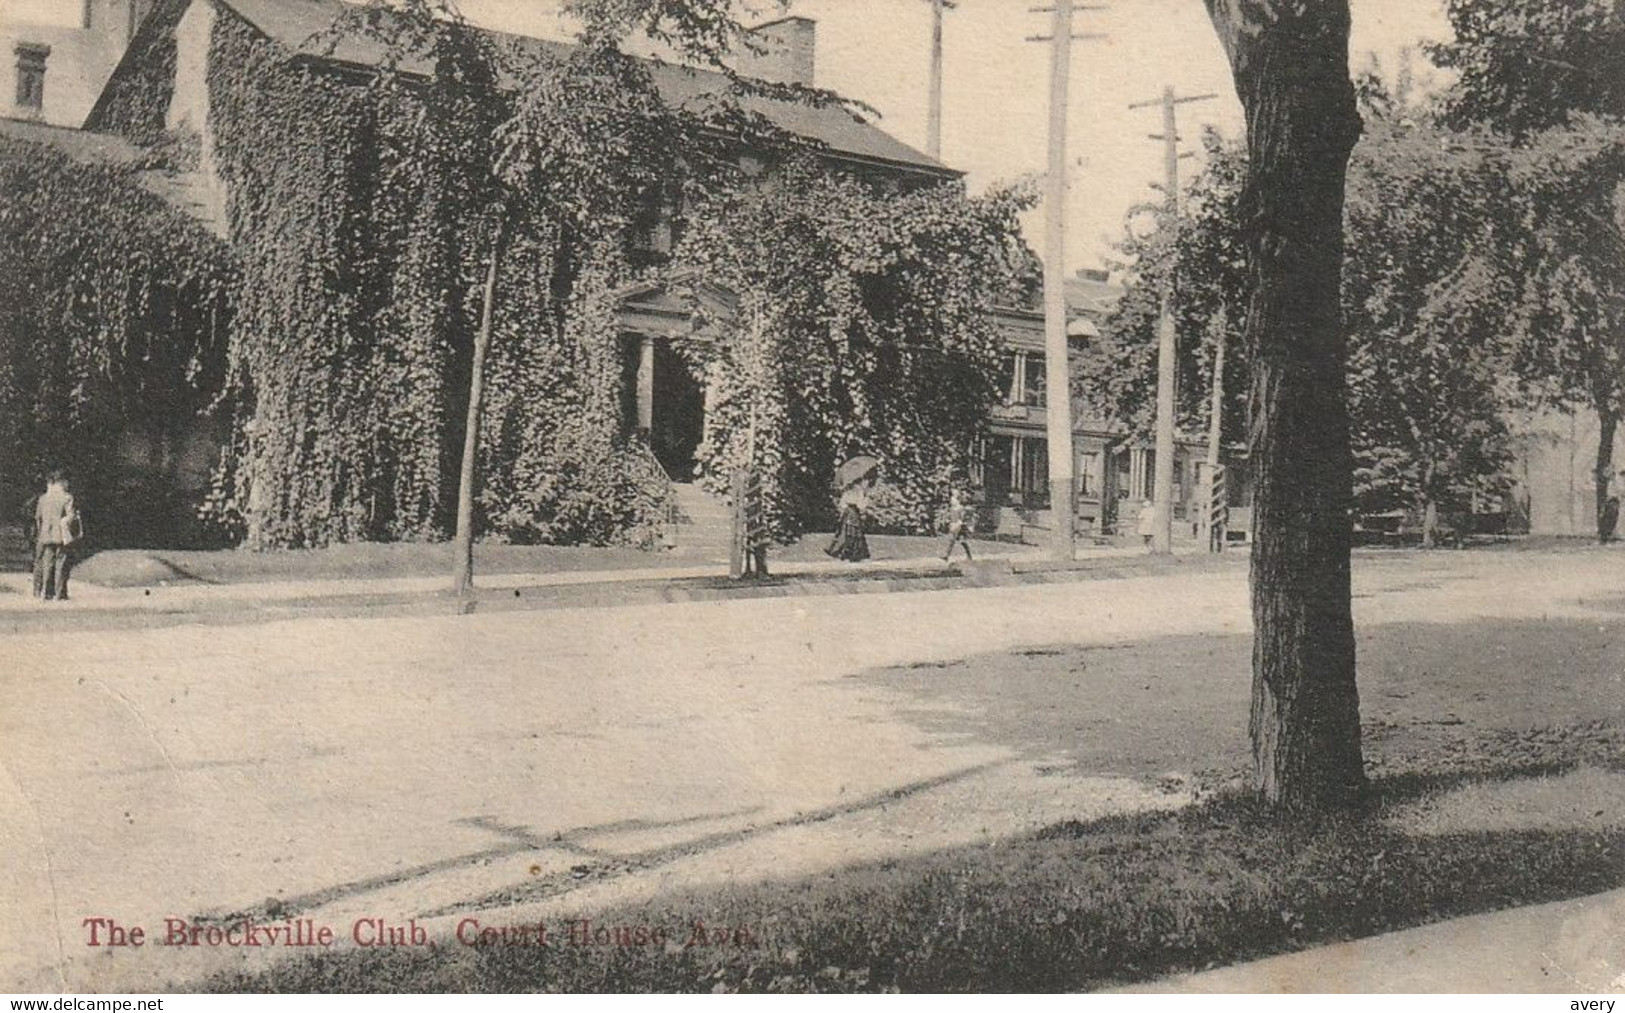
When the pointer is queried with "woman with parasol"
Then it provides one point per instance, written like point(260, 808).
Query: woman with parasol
point(854, 479)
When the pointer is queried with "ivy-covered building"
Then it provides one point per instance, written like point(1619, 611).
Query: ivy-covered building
point(340, 413)
point(628, 370)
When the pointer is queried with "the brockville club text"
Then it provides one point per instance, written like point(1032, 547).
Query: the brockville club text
point(307, 933)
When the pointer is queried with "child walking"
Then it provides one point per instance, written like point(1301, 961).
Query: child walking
point(959, 525)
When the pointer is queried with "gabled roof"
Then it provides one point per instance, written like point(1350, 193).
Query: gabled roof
point(302, 27)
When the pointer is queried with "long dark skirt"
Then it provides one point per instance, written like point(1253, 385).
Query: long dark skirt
point(849, 543)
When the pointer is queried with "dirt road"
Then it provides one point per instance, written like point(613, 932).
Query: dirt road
point(358, 769)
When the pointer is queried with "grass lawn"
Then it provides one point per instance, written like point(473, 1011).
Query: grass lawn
point(1497, 752)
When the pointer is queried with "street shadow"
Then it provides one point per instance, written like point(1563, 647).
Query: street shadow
point(515, 841)
point(1495, 753)
point(603, 864)
point(596, 862)
point(1180, 705)
point(1080, 905)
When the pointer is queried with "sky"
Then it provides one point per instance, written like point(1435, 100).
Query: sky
point(996, 85)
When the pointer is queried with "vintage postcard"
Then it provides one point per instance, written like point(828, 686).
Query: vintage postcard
point(811, 496)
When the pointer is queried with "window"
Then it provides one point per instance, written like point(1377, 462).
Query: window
point(1088, 474)
point(1032, 381)
point(31, 76)
point(998, 454)
point(1033, 475)
point(1024, 378)
point(655, 230)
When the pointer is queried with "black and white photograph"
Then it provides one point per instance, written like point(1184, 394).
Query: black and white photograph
point(812, 496)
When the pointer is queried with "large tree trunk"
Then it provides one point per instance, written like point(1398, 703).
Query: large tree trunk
point(1607, 426)
point(1290, 63)
point(463, 542)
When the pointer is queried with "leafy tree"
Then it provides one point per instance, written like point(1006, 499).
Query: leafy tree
point(1546, 76)
point(1424, 302)
point(1116, 376)
point(1426, 317)
point(1526, 67)
point(1289, 60)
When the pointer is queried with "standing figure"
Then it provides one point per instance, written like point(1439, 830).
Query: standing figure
point(849, 543)
point(960, 517)
point(1148, 521)
point(56, 528)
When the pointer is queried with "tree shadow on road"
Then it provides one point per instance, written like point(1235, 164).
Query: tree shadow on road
point(1079, 905)
point(594, 859)
point(1180, 704)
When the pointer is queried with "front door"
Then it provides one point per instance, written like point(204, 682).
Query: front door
point(677, 422)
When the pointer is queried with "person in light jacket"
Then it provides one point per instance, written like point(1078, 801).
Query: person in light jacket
point(960, 517)
point(1148, 522)
point(56, 529)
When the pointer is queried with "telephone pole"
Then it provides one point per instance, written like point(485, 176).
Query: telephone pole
point(933, 123)
point(1162, 539)
point(1214, 534)
point(1057, 358)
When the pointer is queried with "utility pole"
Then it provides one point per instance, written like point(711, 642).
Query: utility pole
point(1162, 539)
point(1215, 430)
point(933, 123)
point(1057, 357)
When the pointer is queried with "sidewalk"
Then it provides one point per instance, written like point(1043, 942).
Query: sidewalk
point(1573, 946)
point(702, 577)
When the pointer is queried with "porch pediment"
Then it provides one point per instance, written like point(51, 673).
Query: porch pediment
point(675, 308)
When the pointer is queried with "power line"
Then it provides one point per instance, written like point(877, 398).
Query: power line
point(1162, 540)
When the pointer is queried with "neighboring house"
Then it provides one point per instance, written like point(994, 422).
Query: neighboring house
point(157, 464)
point(1113, 473)
point(1554, 473)
point(60, 53)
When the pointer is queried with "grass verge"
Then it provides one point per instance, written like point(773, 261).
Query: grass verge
point(1088, 905)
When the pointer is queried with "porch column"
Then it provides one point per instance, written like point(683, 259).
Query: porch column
point(1136, 472)
point(646, 382)
point(709, 408)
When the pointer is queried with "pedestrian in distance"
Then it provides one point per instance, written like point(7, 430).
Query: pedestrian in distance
point(57, 528)
point(1147, 522)
point(849, 542)
point(961, 518)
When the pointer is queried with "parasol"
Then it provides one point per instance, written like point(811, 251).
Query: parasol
point(855, 470)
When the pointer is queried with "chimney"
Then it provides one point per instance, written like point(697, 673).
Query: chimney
point(787, 56)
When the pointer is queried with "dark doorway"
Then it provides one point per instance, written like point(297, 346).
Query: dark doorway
point(677, 423)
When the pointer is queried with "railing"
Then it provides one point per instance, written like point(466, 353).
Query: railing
point(673, 516)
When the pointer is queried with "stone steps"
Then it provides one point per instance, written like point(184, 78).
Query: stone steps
point(704, 522)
